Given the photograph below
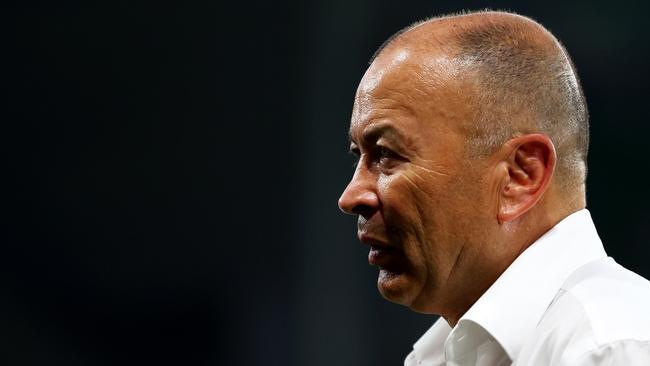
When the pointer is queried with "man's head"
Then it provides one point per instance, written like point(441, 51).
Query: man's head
point(472, 137)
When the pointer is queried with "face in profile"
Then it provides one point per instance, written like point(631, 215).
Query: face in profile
point(416, 194)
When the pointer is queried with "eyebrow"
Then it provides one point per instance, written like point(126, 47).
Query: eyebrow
point(376, 130)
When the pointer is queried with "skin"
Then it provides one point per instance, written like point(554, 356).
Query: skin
point(441, 226)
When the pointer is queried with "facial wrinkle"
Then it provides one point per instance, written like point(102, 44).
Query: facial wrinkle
point(423, 243)
point(391, 101)
point(431, 171)
point(414, 183)
point(390, 90)
point(456, 263)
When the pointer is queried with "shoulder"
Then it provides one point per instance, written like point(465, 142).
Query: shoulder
point(599, 316)
point(615, 300)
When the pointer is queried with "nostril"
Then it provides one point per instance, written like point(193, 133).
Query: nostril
point(364, 210)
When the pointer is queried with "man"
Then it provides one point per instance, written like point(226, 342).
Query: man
point(472, 134)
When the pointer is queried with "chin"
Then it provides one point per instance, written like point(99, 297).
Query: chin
point(403, 289)
point(396, 287)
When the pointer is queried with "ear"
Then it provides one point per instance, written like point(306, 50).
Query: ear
point(530, 163)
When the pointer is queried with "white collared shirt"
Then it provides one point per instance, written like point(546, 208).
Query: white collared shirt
point(561, 302)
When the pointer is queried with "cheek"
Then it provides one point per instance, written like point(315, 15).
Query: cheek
point(411, 204)
point(428, 213)
point(406, 196)
point(417, 191)
point(407, 181)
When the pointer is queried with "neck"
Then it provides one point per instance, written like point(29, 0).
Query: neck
point(512, 239)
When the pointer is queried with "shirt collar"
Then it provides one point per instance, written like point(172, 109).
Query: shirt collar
point(431, 346)
point(511, 308)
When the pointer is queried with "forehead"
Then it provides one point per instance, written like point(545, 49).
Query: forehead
point(414, 91)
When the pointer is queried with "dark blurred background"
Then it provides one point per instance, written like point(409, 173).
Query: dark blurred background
point(173, 172)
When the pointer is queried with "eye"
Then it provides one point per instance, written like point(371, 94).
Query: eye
point(383, 152)
point(386, 157)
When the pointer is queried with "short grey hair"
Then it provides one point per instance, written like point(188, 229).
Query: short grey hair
point(525, 84)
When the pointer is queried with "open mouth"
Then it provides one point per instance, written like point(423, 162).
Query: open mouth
point(383, 256)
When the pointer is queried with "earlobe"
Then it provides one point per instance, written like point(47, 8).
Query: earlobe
point(530, 163)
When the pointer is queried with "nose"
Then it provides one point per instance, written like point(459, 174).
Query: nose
point(360, 196)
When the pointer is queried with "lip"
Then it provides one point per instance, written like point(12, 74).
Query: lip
point(371, 240)
point(378, 256)
point(381, 253)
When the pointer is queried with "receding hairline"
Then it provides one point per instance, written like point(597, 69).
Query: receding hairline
point(506, 50)
point(468, 18)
